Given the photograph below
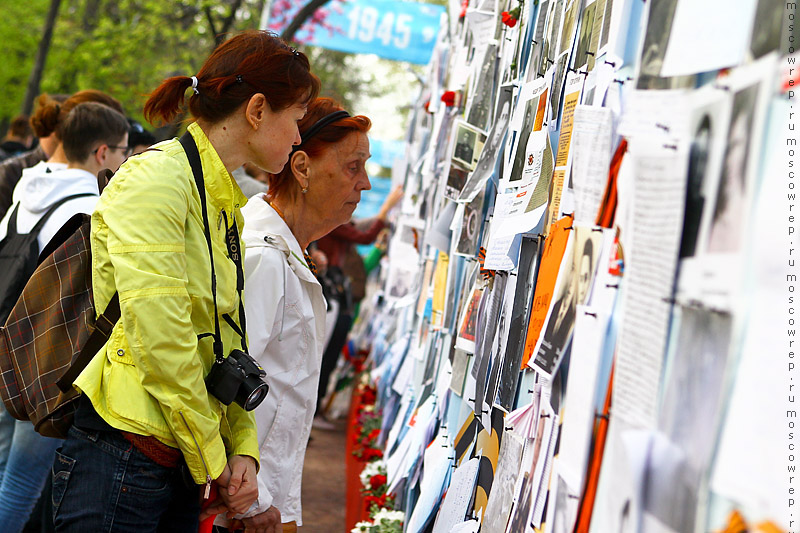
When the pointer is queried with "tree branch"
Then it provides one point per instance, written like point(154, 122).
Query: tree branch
point(210, 19)
point(228, 22)
point(300, 17)
point(41, 57)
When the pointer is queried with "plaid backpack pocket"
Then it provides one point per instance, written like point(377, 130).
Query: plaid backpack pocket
point(45, 332)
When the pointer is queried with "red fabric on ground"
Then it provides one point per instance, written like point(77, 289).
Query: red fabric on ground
point(356, 511)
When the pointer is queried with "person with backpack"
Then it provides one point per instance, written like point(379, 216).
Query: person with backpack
point(51, 110)
point(94, 137)
point(166, 404)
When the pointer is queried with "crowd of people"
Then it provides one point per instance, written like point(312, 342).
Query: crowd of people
point(201, 403)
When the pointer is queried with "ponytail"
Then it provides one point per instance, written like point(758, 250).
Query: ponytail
point(45, 119)
point(253, 62)
point(167, 100)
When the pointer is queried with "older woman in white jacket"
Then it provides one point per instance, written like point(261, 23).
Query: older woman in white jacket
point(317, 191)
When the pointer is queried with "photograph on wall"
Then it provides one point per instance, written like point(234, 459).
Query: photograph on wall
point(488, 159)
point(468, 143)
point(512, 362)
point(483, 97)
point(558, 329)
point(731, 202)
point(456, 178)
point(468, 240)
point(585, 36)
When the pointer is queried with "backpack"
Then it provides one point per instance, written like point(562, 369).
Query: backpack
point(51, 331)
point(19, 256)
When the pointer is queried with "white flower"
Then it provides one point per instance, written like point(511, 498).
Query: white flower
point(362, 527)
point(371, 469)
point(391, 516)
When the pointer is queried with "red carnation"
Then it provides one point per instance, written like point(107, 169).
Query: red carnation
point(449, 98)
point(508, 20)
point(376, 481)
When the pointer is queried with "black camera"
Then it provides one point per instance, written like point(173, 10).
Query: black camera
point(238, 378)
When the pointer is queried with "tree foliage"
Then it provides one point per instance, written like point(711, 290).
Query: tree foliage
point(126, 47)
point(123, 47)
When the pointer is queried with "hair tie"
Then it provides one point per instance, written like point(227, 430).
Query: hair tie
point(318, 125)
point(194, 85)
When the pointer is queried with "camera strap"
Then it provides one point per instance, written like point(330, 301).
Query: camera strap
point(193, 155)
point(235, 253)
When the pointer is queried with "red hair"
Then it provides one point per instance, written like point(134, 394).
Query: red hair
point(281, 183)
point(246, 64)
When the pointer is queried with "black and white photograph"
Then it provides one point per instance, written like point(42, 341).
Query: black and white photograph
point(467, 145)
point(525, 279)
point(585, 36)
point(483, 96)
point(558, 329)
point(491, 150)
point(699, 153)
point(535, 59)
point(456, 178)
point(528, 121)
point(654, 48)
point(568, 27)
point(766, 35)
point(468, 242)
point(731, 198)
point(552, 32)
point(586, 256)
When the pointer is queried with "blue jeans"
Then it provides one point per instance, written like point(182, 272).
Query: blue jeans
point(102, 483)
point(25, 460)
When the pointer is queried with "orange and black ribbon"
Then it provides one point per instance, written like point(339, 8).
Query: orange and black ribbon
point(312, 266)
point(487, 274)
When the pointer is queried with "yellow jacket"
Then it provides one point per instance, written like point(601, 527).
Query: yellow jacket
point(149, 245)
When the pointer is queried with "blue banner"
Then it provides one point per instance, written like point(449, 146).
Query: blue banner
point(392, 29)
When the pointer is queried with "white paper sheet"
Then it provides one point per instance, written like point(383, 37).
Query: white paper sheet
point(501, 498)
point(435, 468)
point(579, 406)
point(651, 249)
point(542, 478)
point(562, 509)
point(618, 500)
point(459, 495)
point(720, 28)
point(591, 138)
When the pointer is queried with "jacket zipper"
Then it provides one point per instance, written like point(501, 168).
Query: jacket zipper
point(207, 492)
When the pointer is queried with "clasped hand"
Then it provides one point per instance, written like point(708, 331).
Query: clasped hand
point(238, 488)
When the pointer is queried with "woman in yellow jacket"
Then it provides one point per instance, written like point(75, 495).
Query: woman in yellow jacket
point(152, 431)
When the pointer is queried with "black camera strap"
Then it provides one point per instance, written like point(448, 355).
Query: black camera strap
point(193, 155)
point(235, 253)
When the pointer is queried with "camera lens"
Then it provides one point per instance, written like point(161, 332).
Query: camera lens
point(256, 396)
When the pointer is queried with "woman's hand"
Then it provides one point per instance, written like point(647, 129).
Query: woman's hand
point(267, 522)
point(241, 489)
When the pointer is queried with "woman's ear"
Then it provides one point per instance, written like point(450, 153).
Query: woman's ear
point(300, 164)
point(256, 109)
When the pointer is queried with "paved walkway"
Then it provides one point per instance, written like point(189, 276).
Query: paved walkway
point(324, 482)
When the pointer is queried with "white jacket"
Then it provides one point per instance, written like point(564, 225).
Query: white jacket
point(39, 188)
point(285, 313)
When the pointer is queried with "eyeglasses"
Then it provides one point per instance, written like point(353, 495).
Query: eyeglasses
point(126, 150)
